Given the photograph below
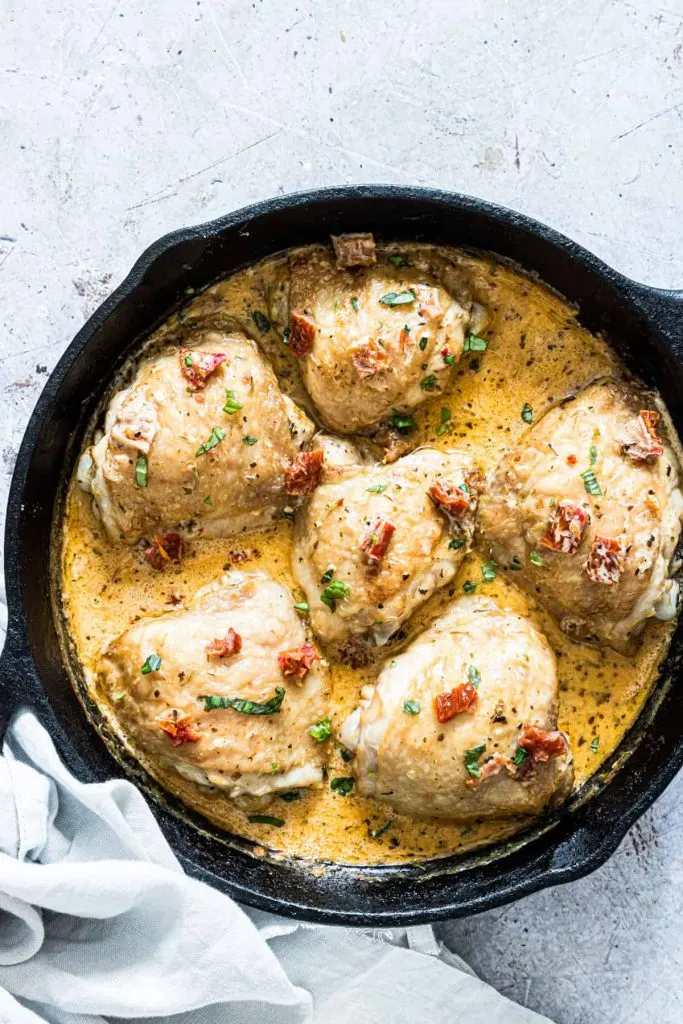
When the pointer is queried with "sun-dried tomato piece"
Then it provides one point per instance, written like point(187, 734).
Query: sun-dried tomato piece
point(428, 305)
point(566, 527)
point(198, 366)
point(571, 460)
point(639, 438)
point(542, 745)
point(369, 358)
point(453, 499)
point(302, 334)
point(179, 729)
point(605, 560)
point(375, 540)
point(225, 647)
point(165, 548)
point(303, 475)
point(356, 249)
point(448, 705)
point(297, 662)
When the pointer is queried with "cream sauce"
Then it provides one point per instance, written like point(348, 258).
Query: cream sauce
point(537, 354)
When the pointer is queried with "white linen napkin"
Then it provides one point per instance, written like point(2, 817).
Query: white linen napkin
point(98, 920)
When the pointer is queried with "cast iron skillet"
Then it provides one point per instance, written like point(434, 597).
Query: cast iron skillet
point(646, 327)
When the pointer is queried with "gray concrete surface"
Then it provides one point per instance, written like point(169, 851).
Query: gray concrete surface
point(120, 120)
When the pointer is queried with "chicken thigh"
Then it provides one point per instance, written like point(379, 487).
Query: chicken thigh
point(202, 436)
point(374, 341)
point(223, 691)
point(372, 543)
point(587, 510)
point(462, 724)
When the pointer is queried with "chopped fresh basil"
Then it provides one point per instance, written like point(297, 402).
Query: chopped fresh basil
point(265, 819)
point(302, 607)
point(402, 422)
point(346, 755)
point(249, 439)
point(515, 564)
point(393, 663)
point(327, 575)
point(398, 298)
point(152, 664)
point(288, 513)
point(375, 833)
point(590, 482)
point(474, 676)
point(398, 260)
point(141, 471)
point(411, 707)
point(520, 755)
point(188, 359)
point(335, 591)
point(232, 405)
point(469, 587)
point(456, 543)
point(475, 344)
point(377, 488)
point(527, 413)
point(593, 453)
point(208, 500)
point(354, 303)
point(119, 696)
point(216, 437)
point(428, 383)
point(290, 797)
point(536, 559)
point(446, 416)
point(342, 785)
point(321, 731)
point(406, 328)
point(449, 358)
point(472, 760)
point(595, 743)
point(488, 571)
point(261, 321)
point(422, 343)
point(247, 707)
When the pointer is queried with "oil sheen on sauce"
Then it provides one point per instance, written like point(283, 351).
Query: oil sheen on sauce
point(537, 355)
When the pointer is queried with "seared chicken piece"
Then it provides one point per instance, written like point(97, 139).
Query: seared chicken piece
point(587, 508)
point(374, 341)
point(372, 543)
point(462, 725)
point(224, 691)
point(202, 434)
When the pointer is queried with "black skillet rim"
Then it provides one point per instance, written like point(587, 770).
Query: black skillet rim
point(579, 842)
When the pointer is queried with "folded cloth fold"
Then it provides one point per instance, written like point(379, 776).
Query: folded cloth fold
point(99, 922)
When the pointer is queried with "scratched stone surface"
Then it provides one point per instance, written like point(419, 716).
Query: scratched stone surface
point(120, 120)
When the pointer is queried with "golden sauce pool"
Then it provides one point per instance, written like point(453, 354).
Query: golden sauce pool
point(537, 355)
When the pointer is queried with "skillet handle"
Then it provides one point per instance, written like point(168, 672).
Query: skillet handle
point(664, 307)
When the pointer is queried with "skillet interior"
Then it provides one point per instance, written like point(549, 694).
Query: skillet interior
point(562, 846)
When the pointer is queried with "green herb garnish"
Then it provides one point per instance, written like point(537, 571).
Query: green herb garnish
point(515, 564)
point(456, 543)
point(590, 482)
point(232, 405)
point(411, 707)
point(216, 437)
point(247, 707)
point(265, 819)
point(354, 303)
point(474, 676)
point(377, 488)
point(520, 755)
point(290, 797)
point(595, 743)
point(152, 664)
point(402, 422)
point(449, 359)
point(119, 696)
point(141, 471)
point(335, 591)
point(475, 344)
point(469, 587)
point(429, 382)
point(261, 321)
point(422, 344)
point(342, 785)
point(527, 413)
point(593, 453)
point(488, 571)
point(302, 607)
point(472, 760)
point(208, 500)
point(321, 731)
point(398, 298)
point(249, 439)
point(398, 260)
point(446, 416)
point(327, 575)
point(536, 559)
point(375, 833)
